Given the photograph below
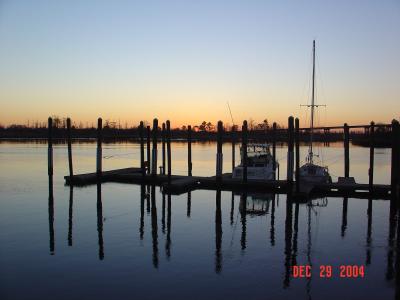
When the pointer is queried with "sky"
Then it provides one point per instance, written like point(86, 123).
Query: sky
point(185, 60)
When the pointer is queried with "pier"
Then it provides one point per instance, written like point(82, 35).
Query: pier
point(147, 171)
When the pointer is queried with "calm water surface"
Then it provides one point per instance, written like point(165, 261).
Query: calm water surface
point(120, 241)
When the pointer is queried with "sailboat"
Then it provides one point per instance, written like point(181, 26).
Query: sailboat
point(310, 172)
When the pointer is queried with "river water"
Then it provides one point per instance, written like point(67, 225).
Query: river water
point(120, 241)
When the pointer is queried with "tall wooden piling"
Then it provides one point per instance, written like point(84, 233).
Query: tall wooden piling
point(371, 157)
point(99, 149)
point(169, 150)
point(163, 148)
point(274, 148)
point(154, 151)
point(297, 142)
point(395, 163)
point(219, 151)
point(141, 137)
point(290, 159)
point(69, 142)
point(50, 147)
point(189, 140)
point(244, 151)
point(346, 150)
point(148, 137)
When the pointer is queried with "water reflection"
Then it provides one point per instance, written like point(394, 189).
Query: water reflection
point(189, 204)
point(242, 208)
point(344, 217)
point(369, 232)
point(288, 240)
point(154, 226)
point(218, 233)
point(100, 222)
point(51, 215)
point(249, 207)
point(70, 214)
point(168, 240)
point(142, 197)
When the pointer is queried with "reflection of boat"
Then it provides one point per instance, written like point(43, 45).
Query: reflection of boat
point(259, 163)
point(311, 172)
point(258, 204)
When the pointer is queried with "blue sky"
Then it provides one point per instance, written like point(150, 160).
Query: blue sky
point(183, 60)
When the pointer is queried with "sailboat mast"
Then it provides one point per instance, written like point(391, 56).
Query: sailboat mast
point(310, 152)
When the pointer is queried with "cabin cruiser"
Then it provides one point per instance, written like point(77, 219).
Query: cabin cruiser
point(259, 163)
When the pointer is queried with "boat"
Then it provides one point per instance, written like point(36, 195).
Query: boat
point(260, 163)
point(311, 172)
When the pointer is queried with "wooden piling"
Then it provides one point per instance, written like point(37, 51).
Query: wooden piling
point(99, 149)
point(290, 156)
point(297, 142)
point(169, 150)
point(346, 150)
point(395, 163)
point(189, 138)
point(274, 148)
point(219, 152)
point(154, 152)
point(50, 147)
point(163, 148)
point(244, 151)
point(148, 163)
point(141, 137)
point(371, 157)
point(69, 142)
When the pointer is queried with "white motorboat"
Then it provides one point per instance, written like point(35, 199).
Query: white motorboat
point(259, 163)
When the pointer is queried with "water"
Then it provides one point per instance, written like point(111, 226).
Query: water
point(126, 241)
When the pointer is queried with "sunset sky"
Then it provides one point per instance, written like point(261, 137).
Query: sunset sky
point(184, 60)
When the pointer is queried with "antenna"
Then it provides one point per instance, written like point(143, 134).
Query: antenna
point(230, 112)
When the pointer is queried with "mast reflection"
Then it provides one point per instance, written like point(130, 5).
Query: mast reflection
point(100, 222)
point(218, 233)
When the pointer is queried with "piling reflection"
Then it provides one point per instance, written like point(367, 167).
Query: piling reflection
point(242, 208)
point(218, 233)
point(163, 214)
point(295, 234)
point(189, 204)
point(168, 240)
point(369, 232)
point(142, 198)
point(288, 240)
point(232, 207)
point(344, 217)
point(70, 214)
point(391, 241)
point(100, 222)
point(154, 226)
point(272, 227)
point(51, 215)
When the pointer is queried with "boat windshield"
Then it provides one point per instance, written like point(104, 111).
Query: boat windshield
point(255, 150)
